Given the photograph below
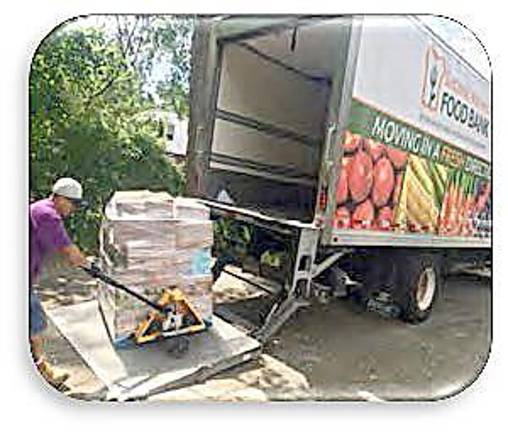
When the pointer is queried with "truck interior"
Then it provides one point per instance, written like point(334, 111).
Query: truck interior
point(272, 107)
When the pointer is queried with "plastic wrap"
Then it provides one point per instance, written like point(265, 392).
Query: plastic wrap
point(151, 242)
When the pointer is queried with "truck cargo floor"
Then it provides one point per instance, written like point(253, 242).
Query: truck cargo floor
point(138, 372)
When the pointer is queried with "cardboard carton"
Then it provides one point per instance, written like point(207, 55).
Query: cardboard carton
point(151, 242)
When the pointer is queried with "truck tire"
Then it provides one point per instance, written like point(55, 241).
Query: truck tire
point(419, 283)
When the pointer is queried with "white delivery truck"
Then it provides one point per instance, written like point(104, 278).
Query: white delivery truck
point(340, 155)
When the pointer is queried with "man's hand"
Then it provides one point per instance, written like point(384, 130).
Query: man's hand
point(74, 256)
point(94, 270)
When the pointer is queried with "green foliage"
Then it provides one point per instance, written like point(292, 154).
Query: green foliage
point(152, 43)
point(232, 237)
point(84, 97)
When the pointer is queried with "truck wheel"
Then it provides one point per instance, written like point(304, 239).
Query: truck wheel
point(419, 282)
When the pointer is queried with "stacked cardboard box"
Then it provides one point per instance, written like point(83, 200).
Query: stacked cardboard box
point(151, 242)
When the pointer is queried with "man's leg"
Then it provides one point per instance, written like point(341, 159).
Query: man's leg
point(37, 326)
point(37, 345)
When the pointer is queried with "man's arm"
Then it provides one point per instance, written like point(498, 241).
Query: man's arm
point(74, 256)
point(53, 235)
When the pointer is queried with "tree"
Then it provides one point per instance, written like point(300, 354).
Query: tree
point(158, 47)
point(84, 97)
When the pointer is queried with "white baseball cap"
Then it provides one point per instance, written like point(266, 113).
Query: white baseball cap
point(68, 188)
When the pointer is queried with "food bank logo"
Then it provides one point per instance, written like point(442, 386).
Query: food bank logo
point(446, 95)
point(434, 73)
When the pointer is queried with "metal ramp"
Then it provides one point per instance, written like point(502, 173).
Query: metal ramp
point(138, 372)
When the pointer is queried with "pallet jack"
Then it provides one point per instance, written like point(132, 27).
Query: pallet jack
point(171, 317)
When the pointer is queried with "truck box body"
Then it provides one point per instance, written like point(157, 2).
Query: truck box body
point(371, 129)
point(423, 117)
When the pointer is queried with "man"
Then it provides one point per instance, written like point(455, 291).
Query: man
point(48, 237)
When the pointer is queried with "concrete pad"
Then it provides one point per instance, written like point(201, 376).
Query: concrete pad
point(247, 394)
point(139, 372)
point(265, 379)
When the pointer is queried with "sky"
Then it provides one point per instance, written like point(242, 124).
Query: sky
point(462, 40)
point(455, 34)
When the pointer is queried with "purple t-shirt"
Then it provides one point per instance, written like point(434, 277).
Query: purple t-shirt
point(47, 235)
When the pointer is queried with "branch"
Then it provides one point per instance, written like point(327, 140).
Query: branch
point(129, 38)
point(125, 50)
point(135, 57)
point(102, 90)
point(119, 35)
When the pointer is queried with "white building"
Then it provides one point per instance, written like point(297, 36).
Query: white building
point(176, 134)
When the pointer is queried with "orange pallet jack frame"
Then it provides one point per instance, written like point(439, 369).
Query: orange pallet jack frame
point(173, 315)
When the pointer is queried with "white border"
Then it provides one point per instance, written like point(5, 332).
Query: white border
point(26, 405)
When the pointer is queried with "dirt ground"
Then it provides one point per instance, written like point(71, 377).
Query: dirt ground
point(347, 354)
point(324, 352)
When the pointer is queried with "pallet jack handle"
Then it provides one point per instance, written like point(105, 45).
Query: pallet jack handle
point(95, 272)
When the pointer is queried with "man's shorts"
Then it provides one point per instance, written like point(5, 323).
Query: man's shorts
point(37, 317)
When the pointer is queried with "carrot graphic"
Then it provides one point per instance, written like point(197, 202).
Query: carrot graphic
point(469, 208)
point(465, 204)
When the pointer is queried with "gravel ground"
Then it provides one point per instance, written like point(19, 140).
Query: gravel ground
point(326, 351)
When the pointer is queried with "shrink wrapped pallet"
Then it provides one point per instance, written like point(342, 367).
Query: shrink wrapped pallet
point(188, 208)
point(151, 242)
